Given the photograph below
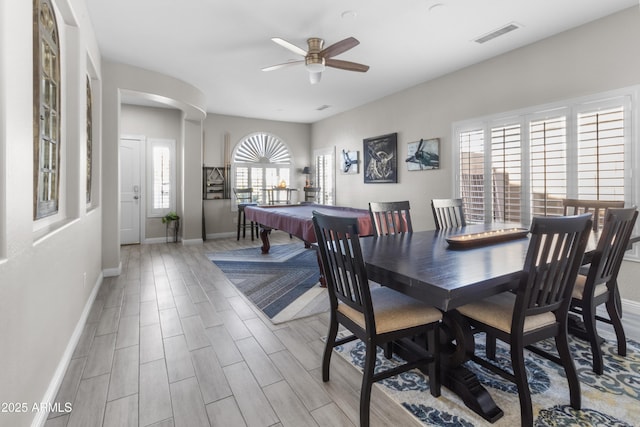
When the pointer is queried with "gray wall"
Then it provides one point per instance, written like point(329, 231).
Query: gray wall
point(557, 68)
point(47, 274)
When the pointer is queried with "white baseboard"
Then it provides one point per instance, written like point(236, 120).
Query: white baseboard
point(188, 242)
point(50, 395)
point(112, 272)
point(213, 236)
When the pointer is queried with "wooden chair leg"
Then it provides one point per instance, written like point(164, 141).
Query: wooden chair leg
point(388, 350)
point(433, 341)
point(617, 326)
point(490, 345)
point(589, 320)
point(328, 348)
point(562, 344)
point(367, 383)
point(239, 222)
point(520, 374)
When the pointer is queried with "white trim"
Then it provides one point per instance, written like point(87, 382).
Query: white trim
point(50, 394)
point(112, 272)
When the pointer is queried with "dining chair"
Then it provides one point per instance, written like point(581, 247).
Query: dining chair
point(597, 207)
point(244, 198)
point(599, 285)
point(538, 309)
point(311, 194)
point(375, 315)
point(390, 217)
point(448, 213)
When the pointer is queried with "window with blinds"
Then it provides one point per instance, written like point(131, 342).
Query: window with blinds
point(324, 177)
point(506, 172)
point(261, 161)
point(575, 150)
point(601, 136)
point(471, 163)
point(161, 198)
point(548, 165)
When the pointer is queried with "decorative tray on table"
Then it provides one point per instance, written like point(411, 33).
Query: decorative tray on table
point(462, 241)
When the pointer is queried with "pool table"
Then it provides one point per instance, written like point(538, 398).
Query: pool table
point(297, 220)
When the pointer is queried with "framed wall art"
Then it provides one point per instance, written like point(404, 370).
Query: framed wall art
point(380, 159)
point(423, 155)
point(348, 162)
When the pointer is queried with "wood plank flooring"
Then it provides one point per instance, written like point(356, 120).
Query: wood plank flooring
point(170, 342)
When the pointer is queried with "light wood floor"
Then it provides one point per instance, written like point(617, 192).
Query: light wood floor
point(170, 342)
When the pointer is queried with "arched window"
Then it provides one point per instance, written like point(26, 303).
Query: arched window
point(261, 161)
point(46, 103)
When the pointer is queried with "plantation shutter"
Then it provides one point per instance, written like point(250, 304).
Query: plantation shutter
point(548, 160)
point(601, 154)
point(506, 165)
point(472, 174)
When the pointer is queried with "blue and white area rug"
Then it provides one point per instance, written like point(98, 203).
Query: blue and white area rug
point(283, 284)
point(612, 399)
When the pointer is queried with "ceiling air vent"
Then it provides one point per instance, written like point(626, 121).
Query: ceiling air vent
point(497, 33)
point(322, 107)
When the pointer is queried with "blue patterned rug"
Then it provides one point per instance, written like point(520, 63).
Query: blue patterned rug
point(612, 399)
point(273, 281)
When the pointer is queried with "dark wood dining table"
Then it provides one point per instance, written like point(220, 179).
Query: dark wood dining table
point(425, 266)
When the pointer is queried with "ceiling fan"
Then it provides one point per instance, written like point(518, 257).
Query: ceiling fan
point(316, 58)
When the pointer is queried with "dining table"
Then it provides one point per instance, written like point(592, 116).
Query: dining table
point(447, 269)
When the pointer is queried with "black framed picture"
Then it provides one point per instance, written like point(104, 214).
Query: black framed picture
point(423, 155)
point(380, 159)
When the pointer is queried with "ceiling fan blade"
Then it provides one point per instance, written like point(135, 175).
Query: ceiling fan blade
point(283, 65)
point(346, 65)
point(314, 77)
point(290, 46)
point(339, 47)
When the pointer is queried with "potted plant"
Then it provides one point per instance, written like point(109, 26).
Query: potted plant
point(172, 220)
point(171, 216)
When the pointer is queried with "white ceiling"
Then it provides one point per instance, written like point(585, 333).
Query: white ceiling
point(220, 46)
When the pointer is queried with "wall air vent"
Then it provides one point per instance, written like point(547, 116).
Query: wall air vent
point(497, 33)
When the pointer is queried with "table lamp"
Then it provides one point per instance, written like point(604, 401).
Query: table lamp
point(307, 171)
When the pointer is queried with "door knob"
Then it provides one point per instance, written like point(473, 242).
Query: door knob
point(135, 197)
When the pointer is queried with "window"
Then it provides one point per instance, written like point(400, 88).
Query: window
point(536, 158)
point(324, 173)
point(261, 161)
point(162, 176)
point(46, 103)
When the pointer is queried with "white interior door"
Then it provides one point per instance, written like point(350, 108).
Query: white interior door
point(130, 194)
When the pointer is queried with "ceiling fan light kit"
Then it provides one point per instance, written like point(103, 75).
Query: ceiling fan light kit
point(316, 59)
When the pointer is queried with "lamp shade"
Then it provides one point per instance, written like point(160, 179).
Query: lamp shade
point(306, 170)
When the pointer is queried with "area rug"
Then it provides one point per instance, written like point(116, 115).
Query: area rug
point(283, 284)
point(612, 399)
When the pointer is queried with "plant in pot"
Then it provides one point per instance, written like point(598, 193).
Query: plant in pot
point(172, 220)
point(171, 216)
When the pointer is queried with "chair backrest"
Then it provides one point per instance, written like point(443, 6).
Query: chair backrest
point(243, 195)
point(597, 207)
point(448, 213)
point(311, 194)
point(551, 265)
point(612, 244)
point(390, 217)
point(342, 263)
